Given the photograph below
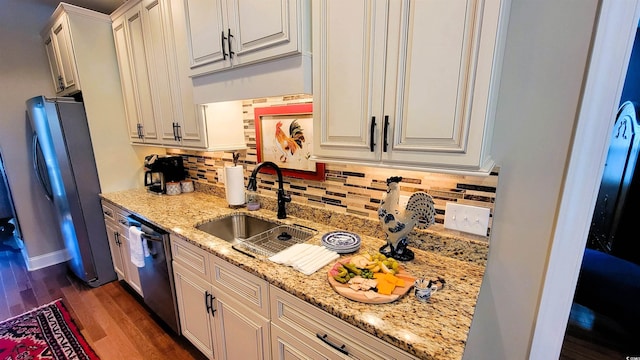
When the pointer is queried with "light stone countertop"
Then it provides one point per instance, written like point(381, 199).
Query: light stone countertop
point(434, 330)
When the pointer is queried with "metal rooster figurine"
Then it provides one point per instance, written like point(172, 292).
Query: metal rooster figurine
point(397, 223)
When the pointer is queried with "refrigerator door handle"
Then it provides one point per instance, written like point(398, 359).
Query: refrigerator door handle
point(36, 167)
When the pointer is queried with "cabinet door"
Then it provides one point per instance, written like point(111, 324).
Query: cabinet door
point(138, 57)
point(205, 33)
point(66, 57)
point(159, 70)
point(127, 81)
point(133, 276)
point(348, 55)
point(195, 322)
point(56, 75)
point(189, 117)
point(116, 253)
point(240, 333)
point(438, 81)
point(262, 29)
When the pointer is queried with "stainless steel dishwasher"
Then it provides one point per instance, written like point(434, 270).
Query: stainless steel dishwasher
point(156, 277)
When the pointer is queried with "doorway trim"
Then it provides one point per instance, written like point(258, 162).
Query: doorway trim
point(614, 32)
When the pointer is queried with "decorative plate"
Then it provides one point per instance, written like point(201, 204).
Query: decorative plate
point(341, 240)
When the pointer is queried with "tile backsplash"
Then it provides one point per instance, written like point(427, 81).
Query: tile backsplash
point(347, 188)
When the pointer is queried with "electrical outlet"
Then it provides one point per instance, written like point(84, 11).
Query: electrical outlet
point(220, 171)
point(467, 218)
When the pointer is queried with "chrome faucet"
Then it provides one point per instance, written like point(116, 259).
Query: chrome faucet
point(282, 197)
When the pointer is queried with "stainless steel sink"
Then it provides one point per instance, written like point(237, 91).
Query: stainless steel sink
point(236, 228)
point(257, 236)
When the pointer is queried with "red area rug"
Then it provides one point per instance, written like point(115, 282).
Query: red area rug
point(43, 333)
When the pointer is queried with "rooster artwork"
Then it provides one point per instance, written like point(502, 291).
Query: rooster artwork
point(397, 223)
point(289, 144)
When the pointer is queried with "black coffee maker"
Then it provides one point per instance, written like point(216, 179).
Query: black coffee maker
point(160, 170)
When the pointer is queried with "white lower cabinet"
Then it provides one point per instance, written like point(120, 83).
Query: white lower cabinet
point(223, 312)
point(192, 295)
point(240, 333)
point(285, 346)
point(118, 234)
point(115, 245)
point(230, 314)
point(302, 331)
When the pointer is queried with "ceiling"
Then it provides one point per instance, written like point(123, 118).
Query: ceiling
point(103, 6)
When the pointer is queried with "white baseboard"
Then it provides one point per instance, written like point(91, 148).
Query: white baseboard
point(42, 261)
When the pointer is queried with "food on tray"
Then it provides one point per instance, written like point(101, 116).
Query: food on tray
point(365, 273)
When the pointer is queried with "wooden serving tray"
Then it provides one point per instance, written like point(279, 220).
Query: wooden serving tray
point(398, 292)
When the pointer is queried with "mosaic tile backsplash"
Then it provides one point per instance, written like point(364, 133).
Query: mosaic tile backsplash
point(346, 189)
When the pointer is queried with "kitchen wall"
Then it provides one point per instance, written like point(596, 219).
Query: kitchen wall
point(346, 188)
point(24, 73)
point(546, 53)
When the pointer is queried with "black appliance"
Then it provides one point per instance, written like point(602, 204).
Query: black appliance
point(162, 169)
point(156, 276)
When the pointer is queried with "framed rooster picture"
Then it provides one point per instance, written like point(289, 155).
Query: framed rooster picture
point(284, 136)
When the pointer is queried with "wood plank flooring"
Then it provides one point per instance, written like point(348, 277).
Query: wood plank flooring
point(113, 322)
point(592, 336)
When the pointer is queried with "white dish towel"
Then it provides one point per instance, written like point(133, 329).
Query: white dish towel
point(305, 258)
point(136, 246)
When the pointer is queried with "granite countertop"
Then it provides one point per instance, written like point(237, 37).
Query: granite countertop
point(434, 330)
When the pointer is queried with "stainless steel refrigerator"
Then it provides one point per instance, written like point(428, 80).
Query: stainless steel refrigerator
point(65, 166)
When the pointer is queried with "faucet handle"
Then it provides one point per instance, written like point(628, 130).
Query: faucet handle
point(286, 198)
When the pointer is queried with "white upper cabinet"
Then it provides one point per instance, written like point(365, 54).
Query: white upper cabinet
point(225, 33)
point(135, 76)
point(158, 95)
point(407, 83)
point(61, 56)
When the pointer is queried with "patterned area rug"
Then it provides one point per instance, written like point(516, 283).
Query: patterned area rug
point(43, 333)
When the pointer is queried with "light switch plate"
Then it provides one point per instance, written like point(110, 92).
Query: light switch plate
point(467, 218)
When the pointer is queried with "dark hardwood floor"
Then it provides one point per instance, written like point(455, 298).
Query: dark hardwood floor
point(113, 322)
point(592, 336)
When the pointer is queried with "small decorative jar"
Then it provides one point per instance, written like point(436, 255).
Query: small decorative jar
point(173, 188)
point(253, 202)
point(187, 186)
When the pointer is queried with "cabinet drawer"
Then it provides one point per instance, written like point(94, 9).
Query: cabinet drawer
point(108, 212)
point(121, 218)
point(245, 288)
point(190, 256)
point(306, 321)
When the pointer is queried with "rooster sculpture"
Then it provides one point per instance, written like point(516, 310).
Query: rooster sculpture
point(288, 145)
point(397, 223)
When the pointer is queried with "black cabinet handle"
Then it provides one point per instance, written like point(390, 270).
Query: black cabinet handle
point(372, 133)
point(60, 82)
point(140, 133)
point(229, 36)
point(222, 39)
point(178, 136)
point(326, 341)
point(176, 131)
point(116, 235)
point(206, 301)
point(385, 144)
point(211, 298)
